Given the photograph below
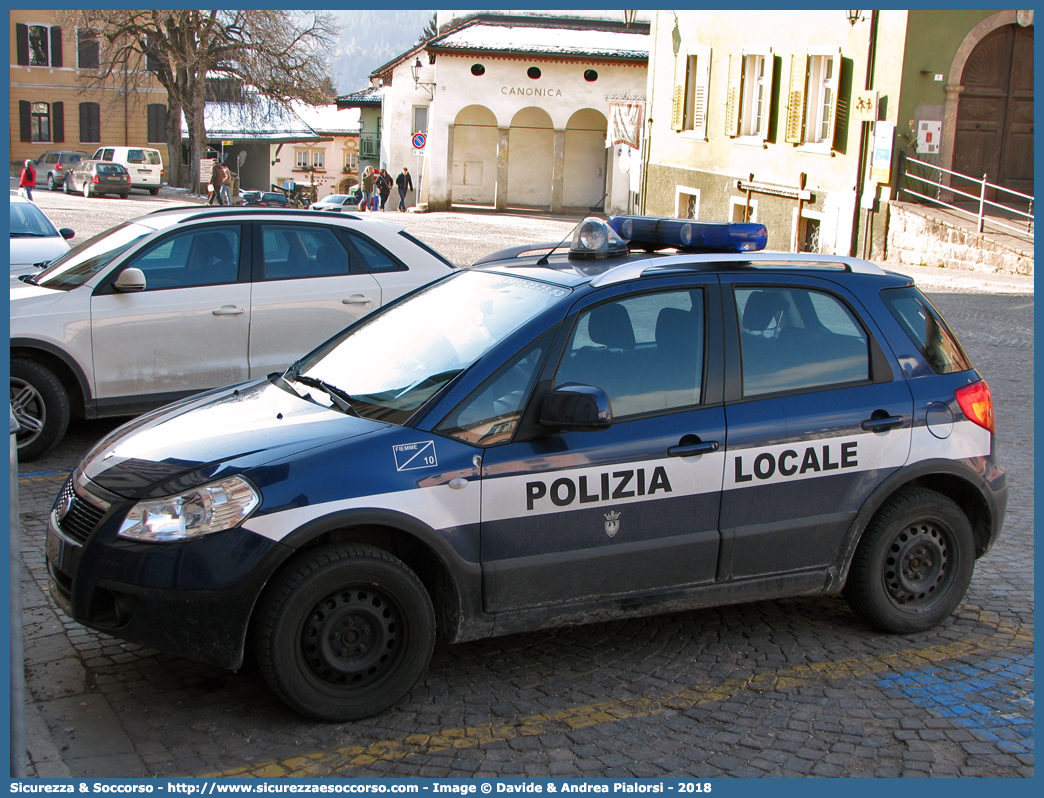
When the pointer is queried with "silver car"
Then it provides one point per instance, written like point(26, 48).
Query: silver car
point(183, 300)
point(98, 178)
point(34, 240)
point(337, 203)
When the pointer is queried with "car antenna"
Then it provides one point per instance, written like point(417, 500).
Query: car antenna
point(543, 259)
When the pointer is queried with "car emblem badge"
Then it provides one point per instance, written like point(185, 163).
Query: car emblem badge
point(612, 523)
point(65, 507)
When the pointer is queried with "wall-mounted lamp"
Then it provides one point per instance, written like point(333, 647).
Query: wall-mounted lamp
point(417, 82)
point(854, 16)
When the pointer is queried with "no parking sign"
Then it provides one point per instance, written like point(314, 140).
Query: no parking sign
point(419, 140)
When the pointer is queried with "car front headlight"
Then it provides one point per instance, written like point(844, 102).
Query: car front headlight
point(210, 508)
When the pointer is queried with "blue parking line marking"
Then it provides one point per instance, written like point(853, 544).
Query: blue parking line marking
point(38, 474)
point(993, 698)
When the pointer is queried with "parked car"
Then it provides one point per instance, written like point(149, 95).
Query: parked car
point(98, 178)
point(187, 299)
point(264, 199)
point(35, 241)
point(543, 440)
point(338, 203)
point(143, 164)
point(51, 167)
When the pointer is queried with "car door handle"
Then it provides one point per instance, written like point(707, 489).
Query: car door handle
point(357, 299)
point(691, 449)
point(229, 310)
point(882, 423)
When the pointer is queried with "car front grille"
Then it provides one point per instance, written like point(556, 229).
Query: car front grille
point(82, 517)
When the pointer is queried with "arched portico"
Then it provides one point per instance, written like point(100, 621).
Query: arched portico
point(473, 164)
point(532, 144)
point(584, 169)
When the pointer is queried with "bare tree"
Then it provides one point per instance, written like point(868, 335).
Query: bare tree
point(278, 54)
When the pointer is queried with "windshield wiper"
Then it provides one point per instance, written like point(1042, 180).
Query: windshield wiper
point(28, 234)
point(341, 399)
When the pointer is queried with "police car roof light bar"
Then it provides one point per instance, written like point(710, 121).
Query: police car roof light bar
point(653, 232)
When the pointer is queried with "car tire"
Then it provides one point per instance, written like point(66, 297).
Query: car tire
point(51, 185)
point(124, 195)
point(344, 632)
point(41, 407)
point(67, 185)
point(87, 189)
point(154, 191)
point(913, 564)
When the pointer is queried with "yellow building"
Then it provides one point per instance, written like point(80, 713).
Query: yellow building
point(50, 109)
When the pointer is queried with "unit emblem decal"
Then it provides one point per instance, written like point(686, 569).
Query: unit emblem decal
point(409, 456)
point(612, 523)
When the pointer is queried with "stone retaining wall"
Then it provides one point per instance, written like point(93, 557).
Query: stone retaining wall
point(918, 240)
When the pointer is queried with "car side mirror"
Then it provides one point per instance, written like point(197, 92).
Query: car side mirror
point(129, 281)
point(576, 407)
point(67, 233)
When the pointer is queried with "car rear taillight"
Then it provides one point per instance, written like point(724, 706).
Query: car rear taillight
point(57, 167)
point(977, 403)
point(95, 179)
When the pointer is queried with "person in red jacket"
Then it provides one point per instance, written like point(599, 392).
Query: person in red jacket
point(28, 180)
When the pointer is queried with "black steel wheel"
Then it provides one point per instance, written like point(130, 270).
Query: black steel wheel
point(41, 408)
point(913, 564)
point(51, 185)
point(344, 632)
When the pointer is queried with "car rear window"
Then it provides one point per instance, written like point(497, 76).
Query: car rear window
point(926, 328)
point(110, 169)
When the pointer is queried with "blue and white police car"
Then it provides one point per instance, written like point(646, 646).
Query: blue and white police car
point(664, 417)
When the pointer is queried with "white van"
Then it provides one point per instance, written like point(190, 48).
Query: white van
point(144, 164)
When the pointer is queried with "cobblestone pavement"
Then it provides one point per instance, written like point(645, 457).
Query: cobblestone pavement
point(779, 688)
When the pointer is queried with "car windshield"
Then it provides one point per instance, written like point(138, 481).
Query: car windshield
point(403, 356)
point(79, 265)
point(336, 199)
point(28, 221)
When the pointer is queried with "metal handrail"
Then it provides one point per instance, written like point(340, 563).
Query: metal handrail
point(984, 184)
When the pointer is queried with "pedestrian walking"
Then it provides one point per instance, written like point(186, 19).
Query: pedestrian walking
point(384, 186)
point(226, 185)
point(215, 185)
point(404, 183)
point(367, 188)
point(28, 179)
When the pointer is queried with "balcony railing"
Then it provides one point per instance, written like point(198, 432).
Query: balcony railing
point(983, 211)
point(370, 145)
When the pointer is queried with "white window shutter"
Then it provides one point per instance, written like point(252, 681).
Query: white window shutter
point(836, 72)
point(766, 107)
point(732, 97)
point(701, 89)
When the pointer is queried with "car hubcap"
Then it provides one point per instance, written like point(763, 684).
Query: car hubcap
point(351, 637)
point(29, 411)
point(917, 566)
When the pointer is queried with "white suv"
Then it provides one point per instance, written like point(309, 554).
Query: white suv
point(187, 299)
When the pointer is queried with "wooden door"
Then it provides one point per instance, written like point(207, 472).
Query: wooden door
point(994, 133)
